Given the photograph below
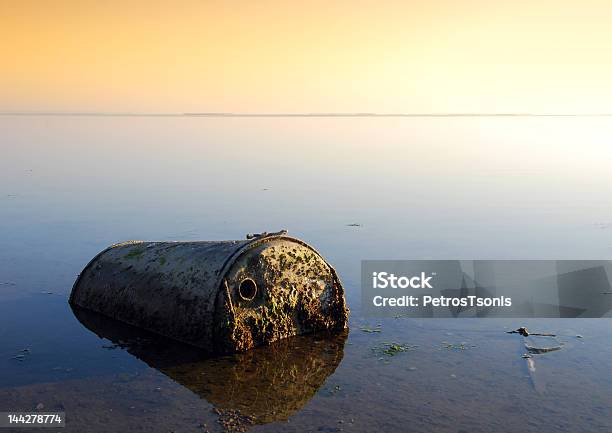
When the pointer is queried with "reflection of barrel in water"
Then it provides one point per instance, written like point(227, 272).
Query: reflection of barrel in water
point(267, 384)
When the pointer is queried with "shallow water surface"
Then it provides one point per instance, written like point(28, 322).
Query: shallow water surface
point(518, 188)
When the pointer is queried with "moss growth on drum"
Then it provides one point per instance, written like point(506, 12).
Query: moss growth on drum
point(300, 295)
point(135, 253)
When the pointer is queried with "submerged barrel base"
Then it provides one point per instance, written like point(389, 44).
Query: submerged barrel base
point(226, 296)
point(254, 383)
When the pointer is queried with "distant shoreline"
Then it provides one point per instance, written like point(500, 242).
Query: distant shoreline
point(230, 114)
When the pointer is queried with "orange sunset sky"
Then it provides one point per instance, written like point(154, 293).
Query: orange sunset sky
point(311, 56)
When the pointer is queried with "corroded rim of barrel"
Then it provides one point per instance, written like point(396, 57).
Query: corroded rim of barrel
point(254, 242)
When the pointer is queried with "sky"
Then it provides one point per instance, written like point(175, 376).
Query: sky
point(434, 56)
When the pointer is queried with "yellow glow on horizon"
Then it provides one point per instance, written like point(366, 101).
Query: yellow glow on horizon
point(342, 56)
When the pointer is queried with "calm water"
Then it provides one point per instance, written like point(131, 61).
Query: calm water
point(469, 188)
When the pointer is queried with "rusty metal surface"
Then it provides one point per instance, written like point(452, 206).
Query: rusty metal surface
point(222, 296)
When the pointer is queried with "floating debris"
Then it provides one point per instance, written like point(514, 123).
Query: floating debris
point(392, 348)
point(457, 346)
point(525, 333)
point(521, 331)
point(369, 330)
point(538, 342)
point(22, 354)
point(335, 389)
point(221, 296)
point(543, 344)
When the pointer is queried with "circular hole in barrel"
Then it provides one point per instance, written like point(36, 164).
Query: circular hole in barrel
point(247, 289)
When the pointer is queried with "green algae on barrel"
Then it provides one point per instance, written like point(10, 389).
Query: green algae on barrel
point(221, 296)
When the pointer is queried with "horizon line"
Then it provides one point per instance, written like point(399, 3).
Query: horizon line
point(273, 114)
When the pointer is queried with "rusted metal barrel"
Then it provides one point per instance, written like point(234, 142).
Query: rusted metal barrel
point(221, 296)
